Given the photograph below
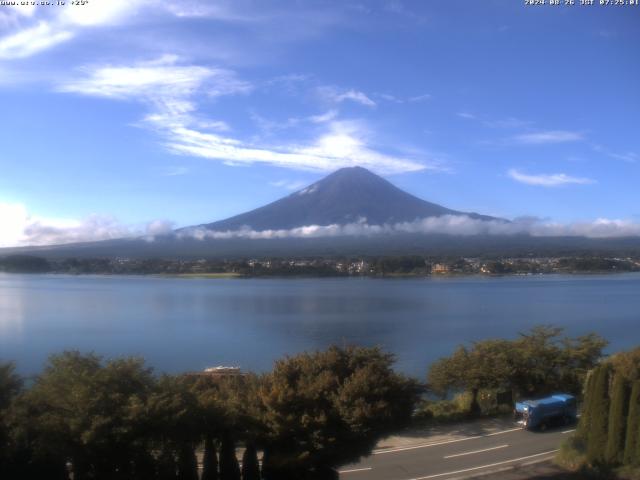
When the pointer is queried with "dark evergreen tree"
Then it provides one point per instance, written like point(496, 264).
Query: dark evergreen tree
point(250, 465)
point(617, 420)
point(229, 468)
point(187, 463)
point(209, 460)
point(582, 431)
point(632, 442)
point(599, 396)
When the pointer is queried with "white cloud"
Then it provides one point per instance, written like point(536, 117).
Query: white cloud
point(629, 157)
point(20, 228)
point(161, 81)
point(336, 149)
point(420, 98)
point(324, 117)
point(103, 12)
point(41, 28)
point(551, 136)
point(508, 122)
point(548, 180)
point(168, 88)
point(336, 95)
point(395, 99)
point(32, 40)
point(447, 224)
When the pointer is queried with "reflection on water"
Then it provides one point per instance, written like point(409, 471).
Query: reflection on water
point(185, 324)
point(13, 296)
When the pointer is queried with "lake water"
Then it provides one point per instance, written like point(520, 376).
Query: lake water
point(189, 324)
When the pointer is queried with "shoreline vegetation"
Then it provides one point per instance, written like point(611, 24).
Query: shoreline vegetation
point(313, 412)
point(387, 267)
point(606, 443)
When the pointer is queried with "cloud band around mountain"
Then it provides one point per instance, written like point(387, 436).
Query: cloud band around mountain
point(460, 225)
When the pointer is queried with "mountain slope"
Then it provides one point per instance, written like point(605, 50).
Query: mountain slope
point(345, 196)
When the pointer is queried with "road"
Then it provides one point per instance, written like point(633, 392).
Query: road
point(458, 458)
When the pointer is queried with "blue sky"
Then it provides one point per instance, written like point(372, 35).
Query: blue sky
point(121, 117)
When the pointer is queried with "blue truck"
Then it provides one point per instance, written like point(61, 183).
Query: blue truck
point(539, 414)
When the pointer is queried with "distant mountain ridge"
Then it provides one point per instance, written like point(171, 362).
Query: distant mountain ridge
point(345, 196)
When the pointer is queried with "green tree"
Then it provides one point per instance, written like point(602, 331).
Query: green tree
point(174, 419)
point(598, 398)
point(579, 355)
point(488, 364)
point(537, 362)
point(10, 387)
point(10, 384)
point(582, 431)
point(80, 409)
point(328, 408)
point(250, 465)
point(627, 364)
point(632, 440)
point(617, 420)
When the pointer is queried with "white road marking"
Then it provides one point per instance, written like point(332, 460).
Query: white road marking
point(356, 470)
point(476, 451)
point(485, 466)
point(425, 445)
point(569, 431)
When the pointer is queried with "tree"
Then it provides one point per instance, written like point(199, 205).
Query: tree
point(488, 364)
point(329, 408)
point(209, 460)
point(632, 440)
point(80, 409)
point(174, 420)
point(598, 399)
point(582, 431)
point(250, 465)
point(579, 356)
point(10, 387)
point(627, 364)
point(537, 362)
point(229, 468)
point(617, 420)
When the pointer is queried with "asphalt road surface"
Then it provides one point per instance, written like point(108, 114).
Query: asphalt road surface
point(465, 457)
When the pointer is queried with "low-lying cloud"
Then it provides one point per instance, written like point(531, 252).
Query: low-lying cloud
point(20, 228)
point(447, 224)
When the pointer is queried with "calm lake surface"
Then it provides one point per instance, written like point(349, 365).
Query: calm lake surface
point(189, 324)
